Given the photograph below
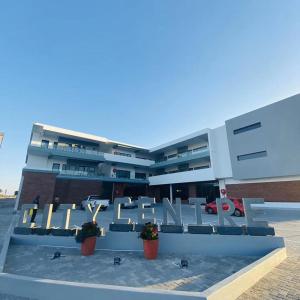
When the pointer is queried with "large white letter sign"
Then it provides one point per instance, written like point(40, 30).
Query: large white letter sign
point(174, 213)
point(24, 215)
point(47, 215)
point(67, 214)
point(142, 210)
point(198, 202)
point(250, 214)
point(225, 214)
point(90, 213)
point(117, 210)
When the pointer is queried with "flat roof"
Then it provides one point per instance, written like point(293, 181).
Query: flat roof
point(86, 136)
point(180, 141)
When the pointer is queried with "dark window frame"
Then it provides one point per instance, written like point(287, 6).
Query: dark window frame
point(252, 155)
point(247, 128)
point(45, 144)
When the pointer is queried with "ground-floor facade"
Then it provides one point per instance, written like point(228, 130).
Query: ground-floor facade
point(73, 190)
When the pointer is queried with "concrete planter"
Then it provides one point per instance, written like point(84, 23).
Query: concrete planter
point(151, 249)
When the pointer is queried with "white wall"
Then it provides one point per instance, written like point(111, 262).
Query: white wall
point(128, 160)
point(187, 176)
point(37, 162)
point(219, 153)
point(42, 162)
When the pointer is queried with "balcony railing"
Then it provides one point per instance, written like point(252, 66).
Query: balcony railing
point(68, 149)
point(81, 173)
point(184, 154)
point(93, 174)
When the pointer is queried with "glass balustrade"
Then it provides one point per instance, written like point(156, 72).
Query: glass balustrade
point(184, 154)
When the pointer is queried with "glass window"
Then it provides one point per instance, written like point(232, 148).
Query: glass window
point(247, 128)
point(45, 144)
point(55, 167)
point(252, 155)
point(139, 175)
point(122, 174)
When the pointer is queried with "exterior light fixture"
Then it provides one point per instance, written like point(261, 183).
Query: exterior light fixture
point(117, 260)
point(184, 263)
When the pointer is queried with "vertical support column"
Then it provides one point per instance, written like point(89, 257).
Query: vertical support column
point(222, 188)
point(171, 193)
point(192, 190)
point(113, 193)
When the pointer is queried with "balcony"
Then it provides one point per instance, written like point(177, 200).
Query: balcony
point(85, 175)
point(86, 154)
point(70, 152)
point(188, 156)
point(127, 160)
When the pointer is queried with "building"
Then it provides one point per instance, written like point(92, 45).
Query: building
point(1, 138)
point(252, 155)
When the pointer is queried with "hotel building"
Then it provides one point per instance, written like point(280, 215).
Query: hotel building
point(256, 154)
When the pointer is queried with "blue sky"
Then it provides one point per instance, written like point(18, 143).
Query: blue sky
point(142, 72)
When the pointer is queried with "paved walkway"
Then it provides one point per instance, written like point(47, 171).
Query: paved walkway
point(6, 214)
point(161, 273)
point(283, 283)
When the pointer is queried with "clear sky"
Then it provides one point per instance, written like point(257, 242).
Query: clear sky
point(142, 72)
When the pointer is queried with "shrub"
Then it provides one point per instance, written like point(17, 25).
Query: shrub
point(149, 232)
point(88, 229)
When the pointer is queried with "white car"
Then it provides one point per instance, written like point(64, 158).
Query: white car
point(95, 200)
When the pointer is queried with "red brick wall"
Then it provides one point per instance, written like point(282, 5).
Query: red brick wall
point(74, 191)
point(34, 184)
point(271, 191)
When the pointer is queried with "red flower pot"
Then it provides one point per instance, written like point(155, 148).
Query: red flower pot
point(150, 249)
point(88, 246)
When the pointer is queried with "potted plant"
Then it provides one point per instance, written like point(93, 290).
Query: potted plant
point(87, 237)
point(149, 234)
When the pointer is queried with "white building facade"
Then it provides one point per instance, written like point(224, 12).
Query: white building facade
point(253, 155)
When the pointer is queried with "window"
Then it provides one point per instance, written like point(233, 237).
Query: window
point(182, 149)
point(55, 144)
point(45, 144)
point(160, 171)
point(64, 167)
point(55, 167)
point(200, 148)
point(183, 167)
point(139, 175)
point(92, 170)
point(247, 128)
point(202, 167)
point(252, 155)
point(122, 154)
point(122, 174)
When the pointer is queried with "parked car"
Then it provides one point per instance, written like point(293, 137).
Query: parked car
point(134, 204)
point(95, 200)
point(211, 208)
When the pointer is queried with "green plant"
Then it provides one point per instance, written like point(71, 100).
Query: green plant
point(88, 229)
point(149, 232)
